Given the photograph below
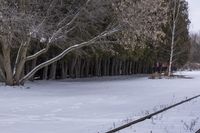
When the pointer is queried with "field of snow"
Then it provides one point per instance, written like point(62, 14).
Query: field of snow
point(98, 104)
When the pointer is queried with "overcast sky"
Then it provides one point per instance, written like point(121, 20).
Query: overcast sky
point(194, 10)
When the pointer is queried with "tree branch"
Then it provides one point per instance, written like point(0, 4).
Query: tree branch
point(76, 15)
point(45, 18)
point(52, 38)
point(17, 58)
point(61, 55)
point(42, 51)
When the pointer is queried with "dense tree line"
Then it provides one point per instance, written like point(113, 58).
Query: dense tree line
point(55, 39)
point(195, 48)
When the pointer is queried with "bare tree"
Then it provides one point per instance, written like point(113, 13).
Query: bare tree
point(69, 25)
point(21, 23)
point(175, 16)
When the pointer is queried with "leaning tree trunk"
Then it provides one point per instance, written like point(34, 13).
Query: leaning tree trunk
point(172, 50)
point(7, 65)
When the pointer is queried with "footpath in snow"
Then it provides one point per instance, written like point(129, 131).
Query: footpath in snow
point(96, 105)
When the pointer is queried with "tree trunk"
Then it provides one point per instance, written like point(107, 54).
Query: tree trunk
point(83, 64)
point(104, 67)
point(33, 64)
point(92, 67)
point(136, 67)
point(63, 71)
point(109, 67)
point(130, 67)
point(7, 64)
point(124, 67)
point(112, 67)
point(2, 71)
point(120, 67)
point(20, 62)
point(127, 67)
point(45, 73)
point(78, 68)
point(87, 67)
point(96, 65)
point(53, 71)
point(176, 11)
point(99, 66)
point(172, 50)
point(2, 76)
point(72, 68)
point(116, 67)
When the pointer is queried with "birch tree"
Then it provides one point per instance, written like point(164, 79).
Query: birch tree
point(176, 11)
point(178, 21)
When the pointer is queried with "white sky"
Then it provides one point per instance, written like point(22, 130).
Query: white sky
point(194, 10)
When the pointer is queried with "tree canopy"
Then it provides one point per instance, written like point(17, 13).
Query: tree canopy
point(81, 38)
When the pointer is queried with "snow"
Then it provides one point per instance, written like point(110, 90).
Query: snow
point(97, 105)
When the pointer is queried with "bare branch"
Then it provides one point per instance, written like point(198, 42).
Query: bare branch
point(51, 6)
point(44, 50)
point(61, 55)
point(17, 58)
point(54, 35)
point(75, 16)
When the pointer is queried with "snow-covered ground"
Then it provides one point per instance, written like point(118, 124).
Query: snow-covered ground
point(96, 105)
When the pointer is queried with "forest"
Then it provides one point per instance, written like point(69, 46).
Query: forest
point(57, 39)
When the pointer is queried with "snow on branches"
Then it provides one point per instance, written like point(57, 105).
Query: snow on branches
point(143, 19)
